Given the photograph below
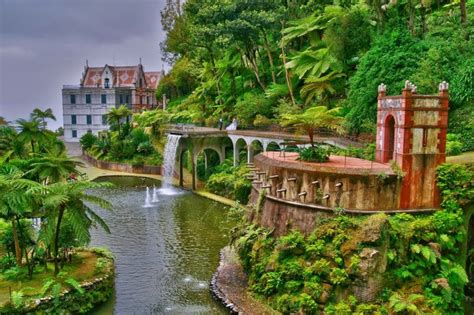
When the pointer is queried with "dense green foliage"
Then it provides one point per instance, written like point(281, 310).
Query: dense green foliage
point(261, 60)
point(230, 182)
point(424, 271)
point(131, 145)
point(38, 181)
point(314, 154)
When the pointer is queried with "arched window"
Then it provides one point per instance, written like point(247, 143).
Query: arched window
point(106, 83)
point(389, 139)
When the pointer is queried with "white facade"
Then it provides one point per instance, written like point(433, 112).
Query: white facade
point(83, 117)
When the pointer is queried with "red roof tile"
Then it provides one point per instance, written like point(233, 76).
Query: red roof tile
point(123, 76)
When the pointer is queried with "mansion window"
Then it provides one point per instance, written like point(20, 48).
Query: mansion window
point(104, 120)
point(88, 98)
point(73, 119)
point(73, 99)
point(103, 98)
point(89, 119)
point(74, 133)
point(106, 83)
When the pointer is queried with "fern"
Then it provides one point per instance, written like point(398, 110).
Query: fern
point(75, 285)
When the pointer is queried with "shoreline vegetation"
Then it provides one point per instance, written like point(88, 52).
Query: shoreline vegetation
point(87, 282)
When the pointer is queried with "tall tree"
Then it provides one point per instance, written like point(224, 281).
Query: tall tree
point(51, 168)
point(314, 118)
point(38, 114)
point(71, 198)
point(30, 132)
point(16, 200)
point(116, 115)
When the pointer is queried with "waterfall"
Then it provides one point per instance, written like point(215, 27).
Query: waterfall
point(169, 162)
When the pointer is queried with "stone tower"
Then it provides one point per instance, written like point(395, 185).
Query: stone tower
point(411, 131)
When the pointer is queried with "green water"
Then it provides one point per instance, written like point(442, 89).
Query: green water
point(166, 253)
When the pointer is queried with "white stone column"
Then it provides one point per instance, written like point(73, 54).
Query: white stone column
point(249, 153)
point(236, 154)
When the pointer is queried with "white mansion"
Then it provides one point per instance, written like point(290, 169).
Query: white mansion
point(102, 88)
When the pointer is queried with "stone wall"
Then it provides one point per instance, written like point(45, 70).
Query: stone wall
point(351, 189)
point(354, 191)
point(122, 167)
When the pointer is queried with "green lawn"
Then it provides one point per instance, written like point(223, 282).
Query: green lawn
point(465, 158)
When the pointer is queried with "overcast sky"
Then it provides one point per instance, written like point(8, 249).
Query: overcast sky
point(44, 44)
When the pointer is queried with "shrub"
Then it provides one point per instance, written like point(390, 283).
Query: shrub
point(139, 136)
point(454, 145)
point(88, 140)
point(229, 181)
point(145, 148)
point(314, 154)
point(138, 161)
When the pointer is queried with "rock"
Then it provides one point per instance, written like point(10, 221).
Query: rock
point(436, 248)
point(324, 296)
point(370, 274)
point(442, 282)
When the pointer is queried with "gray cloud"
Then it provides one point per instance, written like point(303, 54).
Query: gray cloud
point(44, 44)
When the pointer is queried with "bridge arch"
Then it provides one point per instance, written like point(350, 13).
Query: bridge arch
point(272, 145)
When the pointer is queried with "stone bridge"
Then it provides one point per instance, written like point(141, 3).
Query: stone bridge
point(198, 139)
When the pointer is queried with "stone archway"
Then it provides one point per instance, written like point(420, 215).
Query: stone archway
point(206, 160)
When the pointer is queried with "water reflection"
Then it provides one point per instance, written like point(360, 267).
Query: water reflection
point(165, 254)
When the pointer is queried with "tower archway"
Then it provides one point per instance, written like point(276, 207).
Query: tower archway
point(389, 139)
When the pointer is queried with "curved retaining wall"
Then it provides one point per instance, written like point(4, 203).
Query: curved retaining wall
point(357, 189)
point(122, 167)
point(363, 191)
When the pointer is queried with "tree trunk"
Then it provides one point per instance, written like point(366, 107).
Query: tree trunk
point(32, 146)
point(118, 126)
point(411, 17)
point(287, 76)
point(311, 136)
point(56, 240)
point(16, 241)
point(253, 65)
point(462, 6)
point(269, 54)
point(424, 27)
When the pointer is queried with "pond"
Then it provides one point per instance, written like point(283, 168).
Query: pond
point(165, 253)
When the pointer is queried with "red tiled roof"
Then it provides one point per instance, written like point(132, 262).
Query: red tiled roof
point(152, 79)
point(92, 76)
point(123, 76)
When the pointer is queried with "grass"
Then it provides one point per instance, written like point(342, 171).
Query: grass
point(465, 158)
point(81, 268)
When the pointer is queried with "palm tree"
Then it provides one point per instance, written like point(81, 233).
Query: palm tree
point(71, 198)
point(52, 168)
point(314, 118)
point(10, 146)
point(17, 196)
point(31, 132)
point(115, 116)
point(38, 114)
point(319, 87)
